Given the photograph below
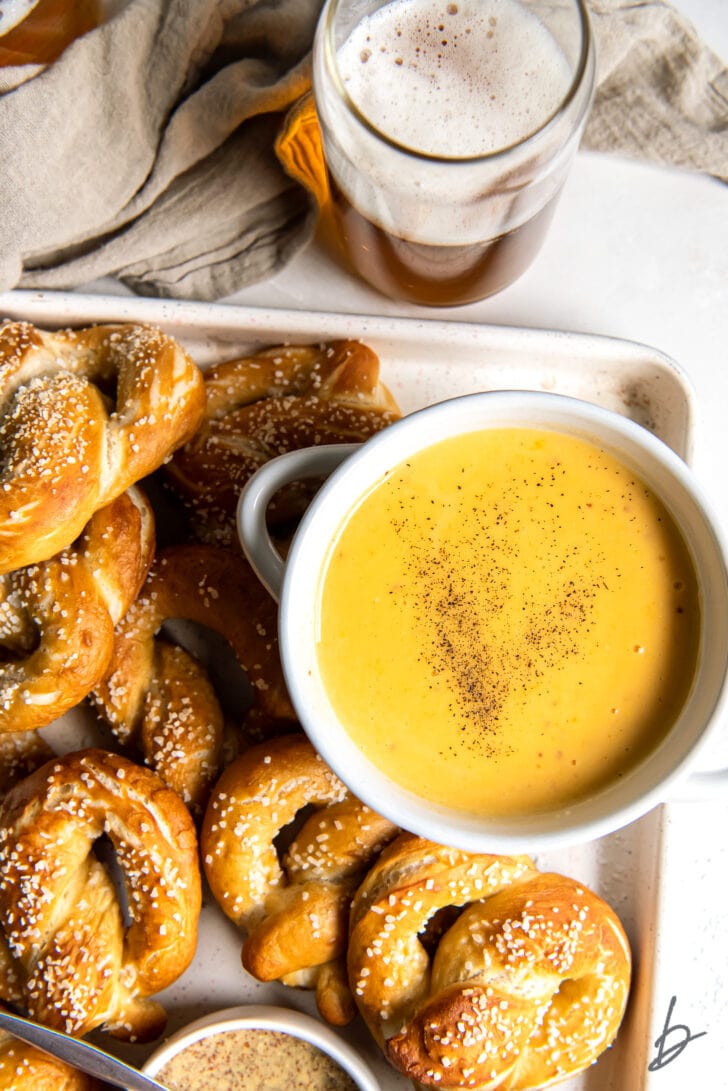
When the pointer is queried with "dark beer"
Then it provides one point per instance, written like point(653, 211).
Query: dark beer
point(436, 276)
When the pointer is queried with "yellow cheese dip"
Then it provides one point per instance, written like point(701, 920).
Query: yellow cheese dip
point(253, 1060)
point(508, 622)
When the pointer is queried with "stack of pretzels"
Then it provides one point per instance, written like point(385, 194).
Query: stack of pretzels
point(469, 970)
point(86, 593)
point(85, 415)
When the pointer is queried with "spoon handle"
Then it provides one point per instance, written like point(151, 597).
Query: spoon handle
point(79, 1054)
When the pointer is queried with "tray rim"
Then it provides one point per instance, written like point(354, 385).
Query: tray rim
point(97, 307)
point(59, 309)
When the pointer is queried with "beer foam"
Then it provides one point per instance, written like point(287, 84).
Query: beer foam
point(13, 12)
point(454, 79)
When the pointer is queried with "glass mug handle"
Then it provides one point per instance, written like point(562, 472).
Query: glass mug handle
point(258, 546)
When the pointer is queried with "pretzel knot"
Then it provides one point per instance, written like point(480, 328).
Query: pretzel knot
point(57, 617)
point(526, 988)
point(84, 414)
point(259, 406)
point(74, 962)
point(293, 910)
point(157, 696)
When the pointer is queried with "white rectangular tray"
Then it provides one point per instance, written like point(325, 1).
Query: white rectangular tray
point(661, 874)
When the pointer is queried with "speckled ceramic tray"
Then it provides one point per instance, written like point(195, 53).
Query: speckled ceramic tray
point(672, 1032)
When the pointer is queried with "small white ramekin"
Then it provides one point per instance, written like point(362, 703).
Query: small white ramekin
point(270, 1018)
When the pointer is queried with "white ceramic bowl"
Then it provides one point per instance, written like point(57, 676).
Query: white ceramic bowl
point(268, 1018)
point(296, 580)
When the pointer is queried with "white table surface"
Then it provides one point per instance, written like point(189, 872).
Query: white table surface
point(639, 252)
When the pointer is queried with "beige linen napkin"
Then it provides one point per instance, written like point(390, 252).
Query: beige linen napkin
point(146, 150)
point(662, 95)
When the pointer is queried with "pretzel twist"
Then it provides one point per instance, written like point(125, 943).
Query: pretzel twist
point(75, 964)
point(57, 617)
point(527, 987)
point(259, 406)
point(293, 910)
point(84, 414)
point(160, 698)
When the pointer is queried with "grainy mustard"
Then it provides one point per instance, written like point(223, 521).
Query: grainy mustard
point(253, 1060)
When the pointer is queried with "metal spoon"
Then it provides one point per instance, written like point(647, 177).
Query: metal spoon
point(79, 1054)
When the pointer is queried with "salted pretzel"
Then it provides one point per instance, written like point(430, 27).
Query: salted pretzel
point(57, 617)
point(159, 698)
point(292, 907)
point(25, 1068)
point(277, 400)
point(527, 987)
point(76, 964)
point(84, 414)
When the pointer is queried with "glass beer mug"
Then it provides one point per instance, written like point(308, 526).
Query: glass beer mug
point(448, 129)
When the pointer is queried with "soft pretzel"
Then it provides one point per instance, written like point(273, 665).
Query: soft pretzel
point(262, 405)
point(160, 699)
point(527, 987)
point(84, 414)
point(293, 910)
point(76, 965)
point(25, 1068)
point(57, 617)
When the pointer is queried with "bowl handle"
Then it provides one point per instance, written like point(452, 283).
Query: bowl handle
point(258, 546)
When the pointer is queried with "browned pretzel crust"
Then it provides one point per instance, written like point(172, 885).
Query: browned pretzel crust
point(259, 406)
point(157, 697)
point(182, 730)
point(74, 963)
point(84, 414)
point(526, 988)
point(293, 910)
point(57, 617)
point(25, 1068)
